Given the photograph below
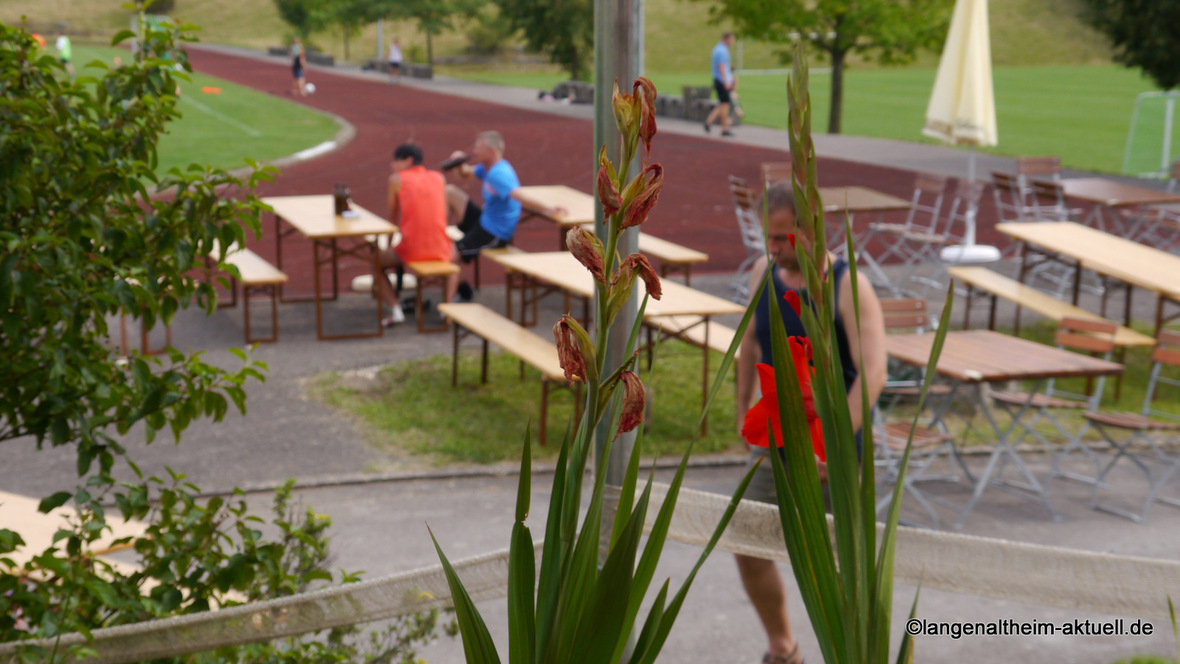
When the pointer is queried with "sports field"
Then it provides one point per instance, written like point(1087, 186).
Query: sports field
point(223, 124)
point(1082, 113)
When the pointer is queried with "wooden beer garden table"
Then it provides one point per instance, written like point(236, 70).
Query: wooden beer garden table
point(1126, 261)
point(559, 270)
point(332, 238)
point(1110, 197)
point(974, 357)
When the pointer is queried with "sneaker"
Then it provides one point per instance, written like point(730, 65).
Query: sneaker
point(395, 316)
point(410, 306)
point(708, 129)
point(727, 133)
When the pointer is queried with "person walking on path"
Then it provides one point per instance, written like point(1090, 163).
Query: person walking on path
point(395, 60)
point(760, 577)
point(298, 62)
point(723, 83)
point(417, 204)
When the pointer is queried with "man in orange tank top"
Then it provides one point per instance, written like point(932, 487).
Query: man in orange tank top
point(417, 204)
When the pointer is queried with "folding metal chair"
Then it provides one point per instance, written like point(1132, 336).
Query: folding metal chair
point(773, 171)
point(749, 220)
point(1142, 426)
point(1095, 337)
point(925, 210)
point(1033, 170)
point(1160, 226)
point(905, 315)
point(890, 435)
point(946, 249)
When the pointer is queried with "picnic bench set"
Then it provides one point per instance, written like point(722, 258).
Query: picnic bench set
point(1033, 206)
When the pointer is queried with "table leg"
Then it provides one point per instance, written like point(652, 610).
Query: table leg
point(336, 273)
point(705, 381)
point(319, 304)
point(1003, 451)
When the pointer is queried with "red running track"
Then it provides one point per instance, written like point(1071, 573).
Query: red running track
point(694, 209)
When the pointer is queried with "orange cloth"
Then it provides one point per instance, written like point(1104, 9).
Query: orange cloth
point(422, 208)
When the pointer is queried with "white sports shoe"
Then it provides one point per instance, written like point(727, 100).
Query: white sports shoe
point(396, 316)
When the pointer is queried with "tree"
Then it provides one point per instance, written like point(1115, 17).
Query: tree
point(91, 232)
point(885, 31)
point(1143, 33)
point(561, 29)
point(434, 16)
point(306, 16)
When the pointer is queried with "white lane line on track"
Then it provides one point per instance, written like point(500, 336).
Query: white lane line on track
point(221, 116)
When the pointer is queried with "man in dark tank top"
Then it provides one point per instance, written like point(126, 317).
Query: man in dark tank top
point(760, 577)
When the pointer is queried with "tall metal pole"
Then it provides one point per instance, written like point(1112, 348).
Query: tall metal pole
point(380, 55)
point(618, 49)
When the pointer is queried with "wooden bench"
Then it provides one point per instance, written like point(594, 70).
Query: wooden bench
point(258, 277)
point(512, 281)
point(430, 273)
point(672, 256)
point(996, 285)
point(531, 349)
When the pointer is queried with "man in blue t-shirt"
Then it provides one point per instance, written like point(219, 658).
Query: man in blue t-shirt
point(723, 83)
point(495, 224)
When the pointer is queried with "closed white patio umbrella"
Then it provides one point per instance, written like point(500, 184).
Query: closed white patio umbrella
point(962, 109)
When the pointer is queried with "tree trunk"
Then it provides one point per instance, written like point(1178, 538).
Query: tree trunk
point(837, 105)
point(575, 70)
point(346, 30)
point(429, 50)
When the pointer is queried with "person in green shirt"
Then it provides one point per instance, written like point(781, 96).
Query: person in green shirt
point(65, 51)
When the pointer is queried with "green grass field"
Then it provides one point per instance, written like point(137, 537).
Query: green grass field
point(1081, 113)
point(225, 128)
point(411, 407)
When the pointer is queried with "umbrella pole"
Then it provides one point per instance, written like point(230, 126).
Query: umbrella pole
point(969, 218)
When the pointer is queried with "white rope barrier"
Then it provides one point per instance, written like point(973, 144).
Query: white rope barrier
point(1000, 569)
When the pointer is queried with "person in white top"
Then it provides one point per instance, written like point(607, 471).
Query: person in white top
point(395, 59)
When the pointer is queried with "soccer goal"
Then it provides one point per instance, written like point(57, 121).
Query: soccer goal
point(1149, 150)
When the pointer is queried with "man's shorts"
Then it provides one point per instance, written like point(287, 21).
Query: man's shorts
point(761, 487)
point(722, 92)
point(475, 237)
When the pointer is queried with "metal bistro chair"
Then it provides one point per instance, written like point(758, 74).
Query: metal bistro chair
point(1029, 171)
point(925, 211)
point(1142, 426)
point(890, 434)
point(773, 171)
point(1159, 226)
point(749, 220)
point(947, 249)
point(1095, 337)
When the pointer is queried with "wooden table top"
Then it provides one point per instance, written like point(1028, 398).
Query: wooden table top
point(1126, 260)
point(20, 513)
point(579, 205)
point(312, 216)
point(978, 356)
point(859, 199)
point(561, 269)
point(1114, 194)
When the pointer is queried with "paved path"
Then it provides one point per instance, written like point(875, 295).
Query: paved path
point(379, 525)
